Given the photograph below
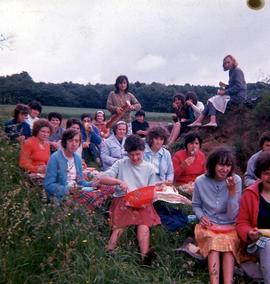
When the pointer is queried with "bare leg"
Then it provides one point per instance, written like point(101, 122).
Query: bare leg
point(116, 233)
point(213, 119)
point(175, 132)
point(227, 266)
point(214, 266)
point(197, 121)
point(143, 236)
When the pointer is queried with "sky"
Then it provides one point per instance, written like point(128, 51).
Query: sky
point(165, 41)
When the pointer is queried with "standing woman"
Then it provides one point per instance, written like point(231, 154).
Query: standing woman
point(254, 215)
point(122, 102)
point(112, 149)
point(157, 155)
point(215, 202)
point(35, 151)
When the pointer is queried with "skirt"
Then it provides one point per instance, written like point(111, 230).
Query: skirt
point(208, 240)
point(122, 216)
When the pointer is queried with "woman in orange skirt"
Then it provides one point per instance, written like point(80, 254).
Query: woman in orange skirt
point(129, 174)
point(216, 204)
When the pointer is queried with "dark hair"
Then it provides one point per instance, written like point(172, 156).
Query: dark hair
point(119, 80)
point(72, 121)
point(140, 113)
point(180, 97)
point(39, 124)
point(35, 105)
point(20, 108)
point(265, 137)
point(155, 132)
point(235, 63)
point(262, 164)
point(192, 96)
point(69, 134)
point(52, 115)
point(84, 115)
point(100, 111)
point(119, 123)
point(223, 156)
point(190, 137)
point(134, 143)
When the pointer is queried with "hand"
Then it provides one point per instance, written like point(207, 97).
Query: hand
point(124, 186)
point(85, 144)
point(54, 145)
point(254, 234)
point(222, 85)
point(21, 138)
point(189, 102)
point(221, 92)
point(41, 169)
point(205, 221)
point(231, 185)
point(174, 105)
point(119, 110)
point(189, 161)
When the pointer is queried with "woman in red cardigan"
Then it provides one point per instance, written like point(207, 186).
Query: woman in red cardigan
point(35, 151)
point(253, 221)
point(189, 163)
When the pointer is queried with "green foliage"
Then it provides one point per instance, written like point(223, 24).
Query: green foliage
point(41, 244)
point(262, 110)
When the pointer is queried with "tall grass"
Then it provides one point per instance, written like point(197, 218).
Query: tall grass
point(41, 244)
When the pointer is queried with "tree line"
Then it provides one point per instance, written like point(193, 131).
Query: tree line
point(155, 97)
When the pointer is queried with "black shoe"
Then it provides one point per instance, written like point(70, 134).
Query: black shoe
point(149, 257)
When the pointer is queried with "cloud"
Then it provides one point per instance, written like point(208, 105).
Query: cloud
point(150, 63)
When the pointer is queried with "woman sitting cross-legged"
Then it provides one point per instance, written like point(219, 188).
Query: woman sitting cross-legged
point(189, 163)
point(215, 202)
point(253, 221)
point(129, 174)
point(64, 176)
point(112, 148)
point(35, 151)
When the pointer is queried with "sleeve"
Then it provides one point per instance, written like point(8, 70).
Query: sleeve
point(243, 221)
point(152, 175)
point(198, 109)
point(169, 173)
point(95, 136)
point(110, 105)
point(25, 160)
point(236, 84)
point(26, 130)
point(233, 202)
point(134, 102)
point(105, 154)
point(249, 177)
point(177, 164)
point(52, 187)
point(80, 180)
point(196, 201)
point(113, 171)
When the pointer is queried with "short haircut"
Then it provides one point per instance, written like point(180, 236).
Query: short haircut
point(39, 124)
point(155, 132)
point(192, 136)
point(119, 80)
point(192, 96)
point(180, 97)
point(20, 108)
point(55, 115)
point(262, 164)
point(35, 105)
point(73, 121)
point(100, 111)
point(223, 156)
point(134, 143)
point(140, 113)
point(121, 122)
point(84, 115)
point(235, 63)
point(69, 134)
point(265, 137)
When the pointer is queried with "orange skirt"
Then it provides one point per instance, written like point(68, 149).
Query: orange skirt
point(208, 240)
point(123, 216)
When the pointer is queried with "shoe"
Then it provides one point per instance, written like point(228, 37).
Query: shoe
point(149, 257)
point(195, 124)
point(210, 124)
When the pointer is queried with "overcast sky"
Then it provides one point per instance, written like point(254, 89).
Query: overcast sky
point(166, 41)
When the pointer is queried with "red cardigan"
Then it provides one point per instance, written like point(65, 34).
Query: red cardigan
point(248, 213)
point(188, 174)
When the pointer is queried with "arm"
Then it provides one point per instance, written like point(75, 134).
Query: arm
point(95, 136)
point(51, 184)
point(249, 177)
point(25, 161)
point(196, 202)
point(80, 180)
point(110, 105)
point(135, 105)
point(169, 173)
point(236, 83)
point(105, 154)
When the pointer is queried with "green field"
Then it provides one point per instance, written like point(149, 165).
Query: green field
point(67, 112)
